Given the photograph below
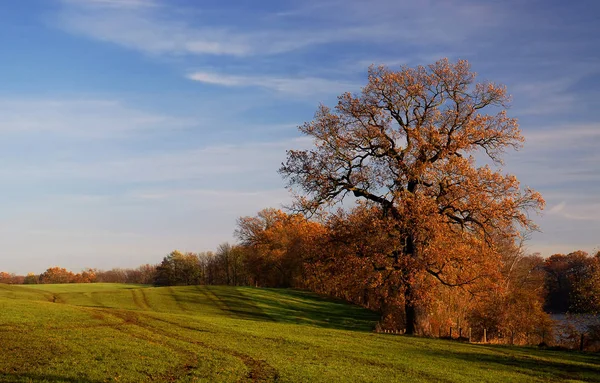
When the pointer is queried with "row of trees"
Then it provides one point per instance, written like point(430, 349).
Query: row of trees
point(226, 266)
point(143, 274)
point(51, 275)
point(340, 255)
point(345, 256)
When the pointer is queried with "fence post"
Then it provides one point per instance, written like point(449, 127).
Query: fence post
point(459, 332)
point(581, 342)
point(470, 333)
point(484, 336)
point(450, 332)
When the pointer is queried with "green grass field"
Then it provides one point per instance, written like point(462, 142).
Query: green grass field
point(126, 333)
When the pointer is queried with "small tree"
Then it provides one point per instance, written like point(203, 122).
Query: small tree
point(407, 145)
point(6, 277)
point(179, 269)
point(230, 260)
point(31, 279)
point(57, 275)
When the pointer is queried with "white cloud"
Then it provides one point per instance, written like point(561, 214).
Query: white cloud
point(81, 118)
point(559, 137)
point(113, 3)
point(557, 208)
point(155, 30)
point(298, 86)
point(252, 159)
point(577, 211)
point(561, 162)
point(234, 201)
point(146, 30)
point(559, 155)
point(546, 96)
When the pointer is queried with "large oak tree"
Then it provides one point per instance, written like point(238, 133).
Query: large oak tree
point(407, 144)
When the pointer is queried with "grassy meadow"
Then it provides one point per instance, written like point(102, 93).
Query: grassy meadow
point(128, 333)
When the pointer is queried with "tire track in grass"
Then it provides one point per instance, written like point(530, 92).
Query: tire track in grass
point(139, 301)
point(176, 324)
point(258, 370)
point(22, 288)
point(177, 300)
point(136, 300)
point(145, 299)
point(94, 298)
point(130, 318)
point(212, 298)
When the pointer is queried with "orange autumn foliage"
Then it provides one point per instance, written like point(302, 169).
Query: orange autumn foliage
point(275, 245)
point(406, 145)
point(62, 275)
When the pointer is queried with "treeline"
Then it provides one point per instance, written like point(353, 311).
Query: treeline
point(344, 255)
point(141, 275)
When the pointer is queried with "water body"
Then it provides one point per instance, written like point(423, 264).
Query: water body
point(581, 322)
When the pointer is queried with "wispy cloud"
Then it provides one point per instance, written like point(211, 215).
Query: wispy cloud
point(554, 138)
point(143, 28)
point(218, 162)
point(578, 212)
point(153, 29)
point(556, 209)
point(298, 86)
point(561, 162)
point(81, 118)
point(165, 29)
point(546, 96)
point(113, 3)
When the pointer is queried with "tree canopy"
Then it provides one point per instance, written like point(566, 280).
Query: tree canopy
point(407, 144)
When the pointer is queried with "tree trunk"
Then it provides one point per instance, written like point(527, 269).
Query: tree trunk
point(410, 311)
point(411, 317)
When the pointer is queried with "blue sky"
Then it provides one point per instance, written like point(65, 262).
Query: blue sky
point(134, 127)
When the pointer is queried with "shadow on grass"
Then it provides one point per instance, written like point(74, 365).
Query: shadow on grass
point(547, 365)
point(228, 301)
point(274, 305)
point(294, 306)
point(237, 304)
point(44, 378)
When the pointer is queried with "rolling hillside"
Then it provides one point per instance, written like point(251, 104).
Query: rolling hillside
point(126, 333)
